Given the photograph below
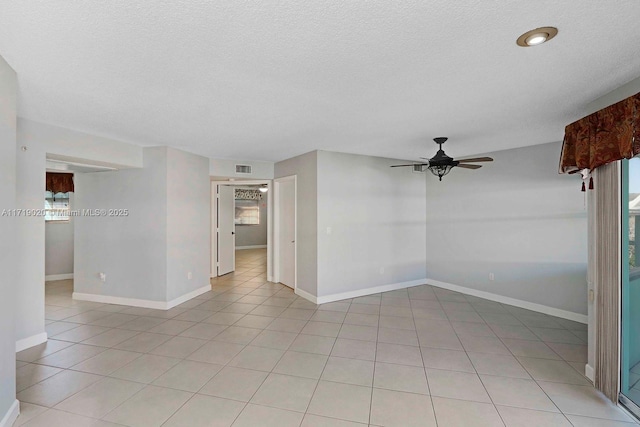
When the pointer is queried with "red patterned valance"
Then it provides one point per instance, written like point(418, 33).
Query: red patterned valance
point(610, 134)
point(59, 182)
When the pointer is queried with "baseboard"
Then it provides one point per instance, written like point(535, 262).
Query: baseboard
point(569, 315)
point(31, 341)
point(588, 372)
point(358, 293)
point(188, 296)
point(143, 303)
point(52, 277)
point(241, 248)
point(306, 295)
point(11, 415)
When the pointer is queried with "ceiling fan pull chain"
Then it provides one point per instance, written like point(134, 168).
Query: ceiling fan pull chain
point(590, 183)
point(583, 187)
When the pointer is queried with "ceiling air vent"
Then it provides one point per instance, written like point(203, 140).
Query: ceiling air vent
point(419, 168)
point(244, 169)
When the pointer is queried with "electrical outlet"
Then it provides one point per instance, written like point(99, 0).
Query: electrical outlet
point(189, 276)
point(103, 277)
point(492, 277)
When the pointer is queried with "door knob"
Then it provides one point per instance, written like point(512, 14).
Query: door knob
point(293, 241)
point(233, 232)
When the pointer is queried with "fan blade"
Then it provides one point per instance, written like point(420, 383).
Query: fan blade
point(477, 159)
point(469, 166)
point(413, 164)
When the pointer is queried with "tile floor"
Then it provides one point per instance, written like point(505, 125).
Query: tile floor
point(251, 353)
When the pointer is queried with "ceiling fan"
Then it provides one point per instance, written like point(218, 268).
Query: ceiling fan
point(441, 164)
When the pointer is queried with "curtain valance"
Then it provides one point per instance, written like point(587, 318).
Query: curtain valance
point(610, 134)
point(247, 194)
point(59, 182)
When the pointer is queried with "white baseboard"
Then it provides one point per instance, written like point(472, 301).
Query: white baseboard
point(358, 293)
point(306, 295)
point(144, 303)
point(564, 314)
point(11, 415)
point(188, 296)
point(588, 372)
point(31, 341)
point(241, 248)
point(52, 277)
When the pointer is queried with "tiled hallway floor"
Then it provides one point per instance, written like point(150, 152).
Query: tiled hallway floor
point(251, 353)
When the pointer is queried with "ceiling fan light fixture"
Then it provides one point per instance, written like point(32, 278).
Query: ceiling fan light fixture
point(440, 170)
point(537, 37)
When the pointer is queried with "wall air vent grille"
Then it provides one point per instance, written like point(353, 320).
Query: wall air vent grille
point(243, 169)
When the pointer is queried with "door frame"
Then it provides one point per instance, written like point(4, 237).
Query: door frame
point(276, 228)
point(214, 221)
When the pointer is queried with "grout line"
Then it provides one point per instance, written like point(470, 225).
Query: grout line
point(231, 291)
point(424, 368)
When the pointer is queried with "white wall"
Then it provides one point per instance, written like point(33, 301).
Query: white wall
point(147, 254)
point(66, 144)
point(254, 235)
point(8, 253)
point(58, 251)
point(376, 215)
point(227, 168)
point(42, 141)
point(517, 218)
point(305, 168)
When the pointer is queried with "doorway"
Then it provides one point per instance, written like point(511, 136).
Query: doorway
point(285, 228)
point(240, 220)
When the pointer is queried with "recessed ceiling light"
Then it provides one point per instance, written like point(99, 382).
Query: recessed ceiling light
point(537, 36)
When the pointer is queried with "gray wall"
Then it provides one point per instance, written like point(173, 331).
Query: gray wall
point(376, 215)
point(44, 141)
point(254, 235)
point(305, 168)
point(8, 253)
point(30, 243)
point(131, 250)
point(58, 251)
point(149, 253)
point(188, 222)
point(517, 218)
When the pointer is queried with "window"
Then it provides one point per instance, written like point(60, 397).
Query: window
point(247, 212)
point(633, 220)
point(56, 206)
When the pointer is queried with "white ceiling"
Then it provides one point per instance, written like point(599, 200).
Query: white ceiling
point(267, 80)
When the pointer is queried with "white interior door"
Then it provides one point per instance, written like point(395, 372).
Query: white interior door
point(226, 229)
point(287, 232)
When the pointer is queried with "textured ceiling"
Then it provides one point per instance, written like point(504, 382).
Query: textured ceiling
point(267, 80)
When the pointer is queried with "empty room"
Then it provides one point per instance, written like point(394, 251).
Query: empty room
point(319, 213)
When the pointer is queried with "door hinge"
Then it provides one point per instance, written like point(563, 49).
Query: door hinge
point(217, 230)
point(217, 196)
